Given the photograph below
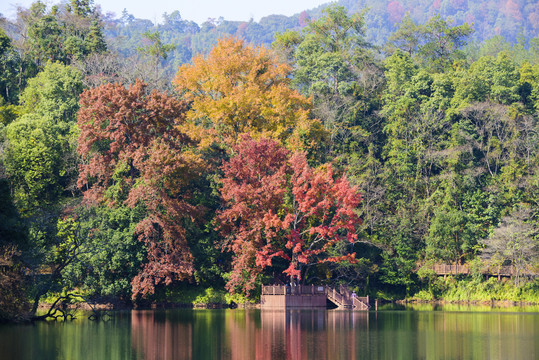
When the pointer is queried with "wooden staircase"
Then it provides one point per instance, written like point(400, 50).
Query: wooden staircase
point(345, 300)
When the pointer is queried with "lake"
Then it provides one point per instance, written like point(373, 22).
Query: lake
point(421, 333)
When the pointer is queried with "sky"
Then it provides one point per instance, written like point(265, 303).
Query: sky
point(195, 10)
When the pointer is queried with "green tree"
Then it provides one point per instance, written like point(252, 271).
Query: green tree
point(45, 35)
point(436, 43)
point(333, 63)
point(9, 63)
point(33, 161)
point(488, 79)
point(53, 93)
point(441, 43)
point(8, 112)
point(449, 235)
point(14, 247)
point(39, 158)
point(406, 38)
point(63, 33)
point(155, 49)
point(110, 255)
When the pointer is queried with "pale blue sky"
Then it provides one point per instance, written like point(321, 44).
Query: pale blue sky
point(196, 10)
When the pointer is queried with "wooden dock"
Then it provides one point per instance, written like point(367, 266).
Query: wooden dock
point(309, 297)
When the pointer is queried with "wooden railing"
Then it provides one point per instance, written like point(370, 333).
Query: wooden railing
point(338, 299)
point(361, 303)
point(342, 297)
point(293, 290)
point(446, 269)
point(351, 300)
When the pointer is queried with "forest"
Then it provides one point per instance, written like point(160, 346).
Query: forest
point(318, 157)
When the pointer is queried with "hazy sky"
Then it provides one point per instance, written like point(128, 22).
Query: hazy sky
point(196, 10)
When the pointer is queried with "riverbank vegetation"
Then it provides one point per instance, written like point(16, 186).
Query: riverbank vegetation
point(321, 158)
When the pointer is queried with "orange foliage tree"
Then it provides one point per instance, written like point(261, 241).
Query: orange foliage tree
point(133, 154)
point(278, 206)
point(242, 89)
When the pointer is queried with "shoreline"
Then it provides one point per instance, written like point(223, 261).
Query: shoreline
point(155, 306)
point(171, 305)
point(491, 303)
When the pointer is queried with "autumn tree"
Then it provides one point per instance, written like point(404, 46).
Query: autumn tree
point(240, 89)
point(135, 155)
point(277, 206)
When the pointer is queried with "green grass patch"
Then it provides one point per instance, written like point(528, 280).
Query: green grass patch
point(475, 289)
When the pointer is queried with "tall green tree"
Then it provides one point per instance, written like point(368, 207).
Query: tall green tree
point(334, 64)
point(155, 50)
point(33, 161)
point(437, 43)
point(53, 93)
point(9, 63)
point(441, 43)
point(63, 33)
point(39, 157)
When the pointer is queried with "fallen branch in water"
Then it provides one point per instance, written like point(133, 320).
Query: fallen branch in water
point(60, 311)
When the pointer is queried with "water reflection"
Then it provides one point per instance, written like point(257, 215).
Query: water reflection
point(310, 334)
point(247, 334)
point(329, 335)
point(255, 334)
point(159, 335)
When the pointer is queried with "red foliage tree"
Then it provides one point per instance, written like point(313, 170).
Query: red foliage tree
point(512, 9)
point(395, 11)
point(278, 206)
point(303, 19)
point(134, 154)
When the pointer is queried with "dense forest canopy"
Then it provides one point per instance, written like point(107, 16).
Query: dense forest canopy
point(130, 167)
point(505, 23)
point(508, 23)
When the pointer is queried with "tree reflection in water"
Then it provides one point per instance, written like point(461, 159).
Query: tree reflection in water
point(328, 335)
point(250, 334)
point(254, 334)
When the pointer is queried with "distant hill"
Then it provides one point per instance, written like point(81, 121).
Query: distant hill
point(125, 34)
point(508, 18)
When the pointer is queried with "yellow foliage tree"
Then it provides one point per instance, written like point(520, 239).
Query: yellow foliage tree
point(240, 89)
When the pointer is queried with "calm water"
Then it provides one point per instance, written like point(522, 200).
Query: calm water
point(256, 334)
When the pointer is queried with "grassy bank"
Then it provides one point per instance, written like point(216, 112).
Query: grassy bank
point(479, 290)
